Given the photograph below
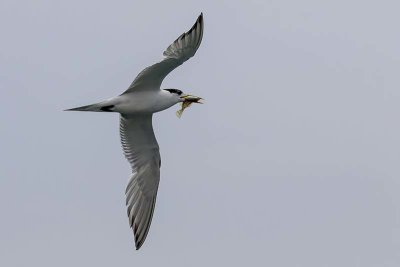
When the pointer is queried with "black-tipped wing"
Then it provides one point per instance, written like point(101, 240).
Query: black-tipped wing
point(177, 53)
point(141, 150)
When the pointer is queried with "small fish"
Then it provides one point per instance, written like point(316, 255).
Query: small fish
point(188, 100)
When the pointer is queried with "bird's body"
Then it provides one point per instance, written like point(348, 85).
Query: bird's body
point(137, 102)
point(136, 106)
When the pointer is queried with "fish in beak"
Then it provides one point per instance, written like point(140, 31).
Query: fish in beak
point(187, 100)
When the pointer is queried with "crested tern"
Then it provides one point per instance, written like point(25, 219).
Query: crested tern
point(136, 107)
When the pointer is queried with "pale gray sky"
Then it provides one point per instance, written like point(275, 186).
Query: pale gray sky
point(292, 161)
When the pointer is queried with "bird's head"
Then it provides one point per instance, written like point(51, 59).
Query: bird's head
point(185, 99)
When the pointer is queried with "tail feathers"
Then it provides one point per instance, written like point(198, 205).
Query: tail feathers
point(98, 107)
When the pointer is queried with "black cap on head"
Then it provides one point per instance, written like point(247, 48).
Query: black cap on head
point(174, 91)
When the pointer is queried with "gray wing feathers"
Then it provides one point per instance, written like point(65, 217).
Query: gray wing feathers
point(141, 150)
point(186, 45)
point(177, 53)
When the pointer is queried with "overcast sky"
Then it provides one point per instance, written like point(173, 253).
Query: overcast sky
point(292, 161)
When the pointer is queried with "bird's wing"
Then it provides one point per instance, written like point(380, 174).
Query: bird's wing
point(141, 150)
point(177, 53)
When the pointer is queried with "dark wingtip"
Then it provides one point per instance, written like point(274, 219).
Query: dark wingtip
point(138, 244)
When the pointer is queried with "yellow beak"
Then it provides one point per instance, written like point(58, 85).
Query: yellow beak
point(192, 99)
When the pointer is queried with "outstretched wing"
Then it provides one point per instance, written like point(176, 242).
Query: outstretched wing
point(177, 53)
point(141, 150)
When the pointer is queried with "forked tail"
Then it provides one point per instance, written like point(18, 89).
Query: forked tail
point(104, 106)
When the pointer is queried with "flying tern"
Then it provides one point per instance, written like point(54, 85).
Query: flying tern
point(136, 107)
